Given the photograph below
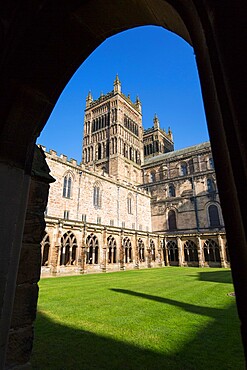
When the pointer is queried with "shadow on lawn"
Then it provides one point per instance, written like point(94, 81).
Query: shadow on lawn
point(59, 347)
point(200, 310)
point(219, 276)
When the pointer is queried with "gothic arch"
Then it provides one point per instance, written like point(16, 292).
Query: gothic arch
point(68, 252)
point(211, 251)
point(127, 246)
point(214, 215)
point(92, 255)
point(190, 252)
point(141, 250)
point(45, 250)
point(112, 249)
point(171, 219)
point(172, 252)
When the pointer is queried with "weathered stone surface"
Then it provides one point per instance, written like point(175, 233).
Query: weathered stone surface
point(26, 294)
point(24, 311)
point(30, 260)
point(20, 345)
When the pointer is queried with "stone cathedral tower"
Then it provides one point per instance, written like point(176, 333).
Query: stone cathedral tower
point(113, 135)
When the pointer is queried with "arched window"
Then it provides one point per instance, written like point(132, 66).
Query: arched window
point(129, 204)
point(183, 169)
point(45, 250)
point(172, 222)
point(210, 185)
point(141, 250)
point(92, 249)
point(67, 186)
point(213, 214)
point(211, 251)
point(112, 249)
point(97, 195)
point(211, 163)
point(171, 191)
point(68, 249)
point(152, 249)
point(190, 251)
point(127, 250)
point(172, 250)
point(152, 176)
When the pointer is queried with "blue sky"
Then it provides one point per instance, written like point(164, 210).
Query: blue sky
point(152, 63)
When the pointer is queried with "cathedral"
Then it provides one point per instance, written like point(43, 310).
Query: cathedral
point(134, 201)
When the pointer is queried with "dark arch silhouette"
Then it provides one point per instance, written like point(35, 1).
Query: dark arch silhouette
point(42, 45)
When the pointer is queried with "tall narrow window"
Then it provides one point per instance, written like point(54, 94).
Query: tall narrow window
point(211, 163)
point(67, 186)
point(66, 215)
point(191, 166)
point(171, 191)
point(99, 151)
point(213, 213)
point(97, 196)
point(152, 176)
point(183, 169)
point(129, 204)
point(210, 185)
point(172, 222)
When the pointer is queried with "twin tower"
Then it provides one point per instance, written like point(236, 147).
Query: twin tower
point(114, 139)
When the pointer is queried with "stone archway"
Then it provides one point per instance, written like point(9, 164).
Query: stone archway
point(42, 45)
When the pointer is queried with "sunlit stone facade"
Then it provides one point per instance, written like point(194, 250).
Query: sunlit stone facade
point(133, 202)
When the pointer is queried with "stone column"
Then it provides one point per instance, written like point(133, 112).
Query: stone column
point(200, 252)
point(26, 292)
point(83, 250)
point(122, 264)
point(136, 251)
point(180, 252)
point(103, 262)
point(148, 252)
point(159, 252)
point(14, 189)
point(166, 259)
point(222, 251)
point(55, 255)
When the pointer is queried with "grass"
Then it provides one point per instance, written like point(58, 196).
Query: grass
point(171, 318)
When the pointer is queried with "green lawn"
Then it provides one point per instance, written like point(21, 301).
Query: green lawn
point(169, 318)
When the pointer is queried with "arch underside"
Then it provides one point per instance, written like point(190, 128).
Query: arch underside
point(42, 45)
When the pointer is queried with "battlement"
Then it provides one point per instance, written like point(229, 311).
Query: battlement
point(61, 158)
point(102, 98)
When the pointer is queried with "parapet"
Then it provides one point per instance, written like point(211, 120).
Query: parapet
point(60, 158)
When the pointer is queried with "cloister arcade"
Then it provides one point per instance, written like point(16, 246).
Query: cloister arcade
point(69, 250)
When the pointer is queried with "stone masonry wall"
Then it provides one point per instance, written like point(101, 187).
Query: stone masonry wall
point(114, 194)
point(26, 295)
